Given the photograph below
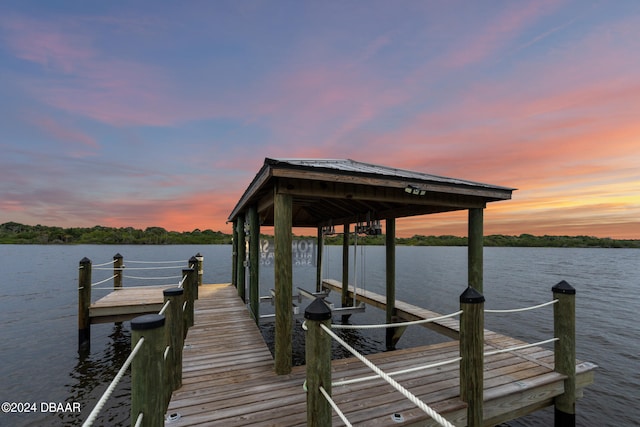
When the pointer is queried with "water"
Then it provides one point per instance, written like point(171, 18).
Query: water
point(38, 312)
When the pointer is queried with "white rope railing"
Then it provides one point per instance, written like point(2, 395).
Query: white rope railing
point(406, 393)
point(517, 310)
point(335, 407)
point(139, 420)
point(520, 347)
point(102, 281)
point(181, 282)
point(105, 396)
point(151, 278)
point(140, 268)
point(399, 324)
point(104, 263)
point(164, 307)
point(133, 288)
point(400, 372)
point(158, 262)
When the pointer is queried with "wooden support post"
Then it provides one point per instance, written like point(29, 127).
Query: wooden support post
point(148, 374)
point(390, 246)
point(188, 285)
point(196, 275)
point(564, 328)
point(345, 300)
point(174, 337)
point(234, 254)
point(283, 281)
point(242, 255)
point(472, 353)
point(254, 263)
point(474, 248)
point(200, 268)
point(320, 246)
point(84, 301)
point(118, 264)
point(318, 363)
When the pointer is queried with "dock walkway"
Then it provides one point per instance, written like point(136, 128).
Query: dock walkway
point(229, 379)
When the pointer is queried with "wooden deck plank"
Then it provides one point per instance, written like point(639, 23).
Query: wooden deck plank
point(229, 378)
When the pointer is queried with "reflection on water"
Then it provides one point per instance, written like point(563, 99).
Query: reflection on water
point(91, 376)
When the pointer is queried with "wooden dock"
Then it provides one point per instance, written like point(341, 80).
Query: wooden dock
point(229, 378)
point(126, 303)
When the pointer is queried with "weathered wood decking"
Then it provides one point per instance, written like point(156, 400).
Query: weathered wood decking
point(126, 303)
point(228, 377)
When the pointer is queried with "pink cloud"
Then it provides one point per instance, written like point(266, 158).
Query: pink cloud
point(78, 143)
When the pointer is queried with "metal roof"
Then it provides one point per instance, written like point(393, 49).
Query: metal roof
point(331, 191)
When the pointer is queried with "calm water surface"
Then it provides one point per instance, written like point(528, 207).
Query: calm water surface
point(38, 313)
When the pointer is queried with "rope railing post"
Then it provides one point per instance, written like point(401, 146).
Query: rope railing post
point(147, 370)
point(318, 361)
point(117, 271)
point(564, 328)
point(200, 267)
point(84, 301)
point(188, 285)
point(472, 353)
point(194, 263)
point(174, 337)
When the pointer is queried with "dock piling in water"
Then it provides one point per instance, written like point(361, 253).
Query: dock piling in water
point(472, 353)
point(118, 264)
point(318, 363)
point(148, 371)
point(174, 337)
point(564, 328)
point(84, 301)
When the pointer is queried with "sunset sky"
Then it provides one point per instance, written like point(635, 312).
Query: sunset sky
point(155, 113)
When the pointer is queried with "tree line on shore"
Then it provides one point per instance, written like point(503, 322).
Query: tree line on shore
point(15, 233)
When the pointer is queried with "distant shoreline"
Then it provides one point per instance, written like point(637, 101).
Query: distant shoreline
point(15, 233)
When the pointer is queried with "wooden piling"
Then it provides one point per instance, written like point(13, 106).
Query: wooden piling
point(472, 353)
point(344, 298)
point(254, 263)
point(117, 271)
point(200, 268)
point(474, 249)
point(242, 255)
point(147, 370)
point(188, 285)
point(319, 255)
point(234, 254)
point(283, 282)
point(196, 276)
point(318, 363)
point(174, 337)
point(564, 328)
point(390, 250)
point(84, 301)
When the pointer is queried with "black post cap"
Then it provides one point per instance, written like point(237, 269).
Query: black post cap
point(147, 321)
point(563, 287)
point(172, 292)
point(85, 260)
point(471, 296)
point(118, 256)
point(317, 310)
point(193, 259)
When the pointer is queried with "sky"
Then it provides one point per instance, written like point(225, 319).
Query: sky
point(159, 114)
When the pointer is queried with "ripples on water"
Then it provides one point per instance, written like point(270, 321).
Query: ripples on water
point(38, 313)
